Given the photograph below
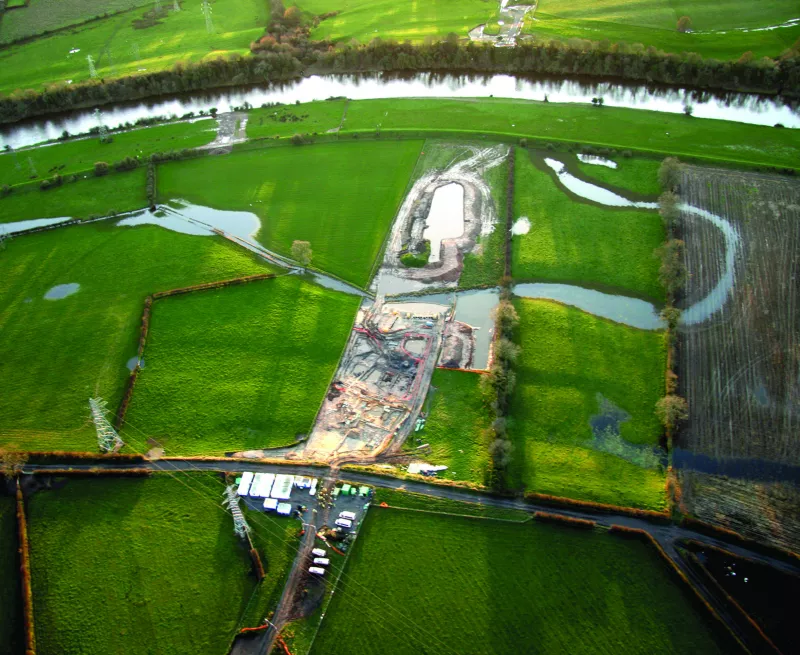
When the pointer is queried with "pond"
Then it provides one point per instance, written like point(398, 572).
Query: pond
point(445, 218)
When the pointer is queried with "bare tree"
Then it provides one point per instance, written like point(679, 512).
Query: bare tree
point(12, 462)
point(671, 409)
point(669, 174)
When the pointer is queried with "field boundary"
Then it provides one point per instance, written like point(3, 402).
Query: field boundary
point(723, 533)
point(25, 574)
point(648, 538)
point(127, 394)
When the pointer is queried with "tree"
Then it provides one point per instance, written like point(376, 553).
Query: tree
point(688, 109)
point(669, 174)
point(301, 252)
point(292, 16)
point(100, 168)
point(671, 409)
point(672, 272)
point(505, 318)
point(12, 462)
point(684, 24)
point(505, 350)
point(668, 208)
point(671, 316)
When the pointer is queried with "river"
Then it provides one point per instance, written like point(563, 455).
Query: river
point(738, 107)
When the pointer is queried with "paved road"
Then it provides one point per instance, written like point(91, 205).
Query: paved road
point(667, 534)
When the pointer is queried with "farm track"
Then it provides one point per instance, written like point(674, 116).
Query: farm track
point(667, 535)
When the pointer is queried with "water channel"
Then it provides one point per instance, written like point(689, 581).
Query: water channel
point(744, 108)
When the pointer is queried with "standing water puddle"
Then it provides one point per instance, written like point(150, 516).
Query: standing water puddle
point(521, 226)
point(628, 311)
point(133, 362)
point(62, 291)
point(20, 226)
point(591, 191)
point(446, 217)
point(597, 161)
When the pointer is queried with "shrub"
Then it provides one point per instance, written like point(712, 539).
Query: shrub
point(684, 24)
point(100, 168)
point(418, 259)
point(5, 190)
point(668, 208)
point(672, 272)
point(669, 174)
point(671, 409)
point(127, 164)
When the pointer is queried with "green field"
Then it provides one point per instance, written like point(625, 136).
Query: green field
point(287, 120)
point(90, 197)
point(638, 175)
point(341, 197)
point(80, 155)
point(48, 15)
point(580, 243)
point(11, 630)
point(148, 566)
point(456, 425)
point(616, 127)
point(654, 22)
point(568, 358)
point(56, 354)
point(119, 48)
point(238, 368)
point(365, 20)
point(420, 583)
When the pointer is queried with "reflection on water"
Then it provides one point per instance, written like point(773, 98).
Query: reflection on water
point(744, 108)
point(597, 161)
point(186, 218)
point(20, 226)
point(621, 309)
point(445, 218)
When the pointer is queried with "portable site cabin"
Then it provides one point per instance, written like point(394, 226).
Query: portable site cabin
point(363, 491)
point(284, 509)
point(255, 486)
point(262, 485)
point(313, 490)
point(319, 552)
point(244, 485)
point(350, 516)
point(345, 488)
point(316, 570)
point(344, 523)
point(282, 489)
point(322, 561)
point(270, 504)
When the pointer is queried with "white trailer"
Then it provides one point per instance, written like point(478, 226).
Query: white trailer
point(319, 552)
point(350, 516)
point(244, 484)
point(322, 561)
point(344, 523)
point(316, 570)
point(270, 504)
point(282, 489)
point(255, 487)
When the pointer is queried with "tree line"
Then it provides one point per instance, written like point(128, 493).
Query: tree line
point(285, 52)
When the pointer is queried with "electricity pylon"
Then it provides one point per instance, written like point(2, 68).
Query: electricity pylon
point(240, 526)
point(107, 438)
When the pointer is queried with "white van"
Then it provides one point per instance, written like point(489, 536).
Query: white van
point(316, 570)
point(319, 552)
point(322, 561)
point(344, 523)
point(350, 516)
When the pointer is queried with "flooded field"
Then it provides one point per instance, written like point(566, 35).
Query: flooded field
point(740, 363)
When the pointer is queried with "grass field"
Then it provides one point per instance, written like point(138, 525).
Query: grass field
point(11, 631)
point(94, 196)
point(56, 354)
point(148, 565)
point(457, 419)
point(47, 15)
point(365, 20)
point(420, 583)
point(287, 120)
point(653, 22)
point(616, 127)
point(568, 358)
point(341, 197)
point(636, 174)
point(239, 368)
point(576, 242)
point(81, 155)
point(118, 48)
